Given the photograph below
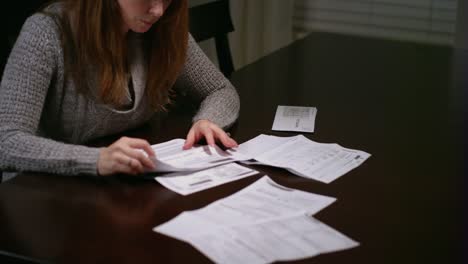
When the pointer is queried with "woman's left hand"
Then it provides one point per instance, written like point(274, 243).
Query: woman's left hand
point(211, 132)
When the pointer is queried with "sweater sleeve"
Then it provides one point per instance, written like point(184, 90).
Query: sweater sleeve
point(23, 90)
point(220, 102)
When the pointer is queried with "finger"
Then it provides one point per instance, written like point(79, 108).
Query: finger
point(123, 168)
point(222, 136)
point(138, 156)
point(234, 143)
point(190, 140)
point(227, 141)
point(209, 137)
point(141, 144)
point(124, 164)
point(136, 165)
point(128, 170)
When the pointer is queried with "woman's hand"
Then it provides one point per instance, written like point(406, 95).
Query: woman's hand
point(211, 133)
point(126, 156)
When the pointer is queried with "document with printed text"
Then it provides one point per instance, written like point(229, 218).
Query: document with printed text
point(261, 200)
point(301, 156)
point(295, 118)
point(186, 183)
point(171, 157)
point(284, 239)
point(262, 223)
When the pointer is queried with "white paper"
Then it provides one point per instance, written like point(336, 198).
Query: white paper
point(283, 239)
point(257, 146)
point(171, 157)
point(303, 157)
point(262, 223)
point(294, 118)
point(190, 182)
point(260, 201)
point(322, 162)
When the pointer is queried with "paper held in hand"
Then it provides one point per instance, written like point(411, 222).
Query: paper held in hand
point(170, 157)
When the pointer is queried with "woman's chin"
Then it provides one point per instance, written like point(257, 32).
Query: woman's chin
point(141, 29)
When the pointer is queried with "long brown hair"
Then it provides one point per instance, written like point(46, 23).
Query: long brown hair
point(92, 35)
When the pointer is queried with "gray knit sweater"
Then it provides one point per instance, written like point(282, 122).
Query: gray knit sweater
point(43, 120)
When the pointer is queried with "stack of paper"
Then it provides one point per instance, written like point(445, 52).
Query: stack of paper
point(203, 167)
point(262, 223)
point(195, 169)
point(170, 157)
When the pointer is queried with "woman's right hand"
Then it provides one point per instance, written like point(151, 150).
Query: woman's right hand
point(125, 156)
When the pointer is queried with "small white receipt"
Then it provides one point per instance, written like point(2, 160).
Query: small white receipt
point(295, 118)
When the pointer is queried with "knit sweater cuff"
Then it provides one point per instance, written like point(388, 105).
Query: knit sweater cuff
point(85, 159)
point(209, 117)
point(223, 122)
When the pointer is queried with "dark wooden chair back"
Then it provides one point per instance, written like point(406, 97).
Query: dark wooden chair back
point(213, 20)
point(12, 19)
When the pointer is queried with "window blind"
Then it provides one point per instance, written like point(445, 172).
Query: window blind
point(432, 21)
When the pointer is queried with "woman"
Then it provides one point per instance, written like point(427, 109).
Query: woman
point(84, 69)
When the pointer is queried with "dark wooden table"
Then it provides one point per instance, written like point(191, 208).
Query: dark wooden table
point(399, 101)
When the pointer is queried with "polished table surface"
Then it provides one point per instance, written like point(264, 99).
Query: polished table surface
point(399, 101)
